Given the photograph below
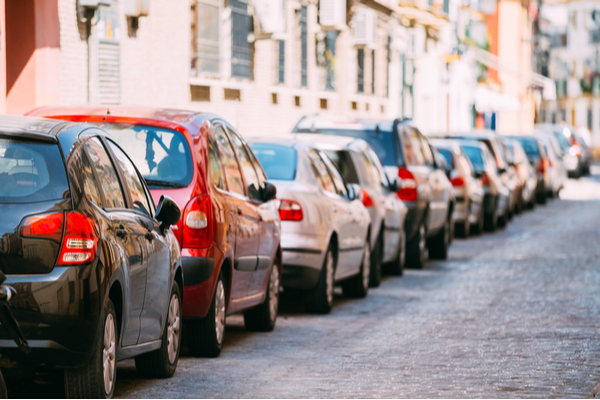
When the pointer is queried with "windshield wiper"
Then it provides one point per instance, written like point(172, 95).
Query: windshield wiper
point(152, 182)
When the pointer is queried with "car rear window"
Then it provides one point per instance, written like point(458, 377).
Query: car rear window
point(382, 141)
point(475, 155)
point(31, 172)
point(448, 156)
point(531, 148)
point(278, 162)
point(562, 140)
point(344, 164)
point(162, 156)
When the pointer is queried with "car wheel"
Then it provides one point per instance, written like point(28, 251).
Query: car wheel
point(438, 246)
point(206, 335)
point(464, 228)
point(376, 257)
point(263, 317)
point(478, 229)
point(319, 300)
point(396, 267)
point(97, 378)
point(416, 248)
point(542, 198)
point(358, 285)
point(162, 363)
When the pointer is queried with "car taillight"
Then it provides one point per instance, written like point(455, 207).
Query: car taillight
point(550, 163)
point(48, 226)
point(577, 149)
point(365, 198)
point(408, 185)
point(542, 165)
point(290, 210)
point(458, 181)
point(485, 179)
point(197, 223)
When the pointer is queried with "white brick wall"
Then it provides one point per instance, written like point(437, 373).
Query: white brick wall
point(73, 57)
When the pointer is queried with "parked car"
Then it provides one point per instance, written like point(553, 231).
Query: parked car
point(539, 160)
point(557, 173)
point(359, 165)
point(525, 172)
point(468, 191)
point(229, 230)
point(82, 244)
point(412, 170)
point(576, 161)
point(496, 194)
point(325, 227)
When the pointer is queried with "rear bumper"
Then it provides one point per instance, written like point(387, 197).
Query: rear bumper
point(303, 257)
point(416, 211)
point(200, 273)
point(490, 202)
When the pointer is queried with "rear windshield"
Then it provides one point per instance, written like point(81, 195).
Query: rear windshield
point(448, 156)
point(510, 150)
point(382, 141)
point(278, 162)
point(344, 164)
point(161, 155)
point(531, 147)
point(562, 140)
point(31, 172)
point(476, 156)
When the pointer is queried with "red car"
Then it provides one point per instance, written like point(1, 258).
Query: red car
point(229, 229)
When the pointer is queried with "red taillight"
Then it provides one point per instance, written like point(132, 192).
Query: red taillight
point(458, 181)
point(485, 179)
point(290, 210)
point(577, 149)
point(49, 226)
point(408, 185)
point(549, 163)
point(366, 199)
point(197, 223)
point(542, 166)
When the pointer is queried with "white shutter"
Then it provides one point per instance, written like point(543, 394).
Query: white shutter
point(364, 28)
point(136, 8)
point(109, 73)
point(271, 14)
point(332, 14)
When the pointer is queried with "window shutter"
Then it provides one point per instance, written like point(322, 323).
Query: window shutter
point(109, 73)
point(206, 58)
point(332, 14)
point(364, 28)
point(241, 26)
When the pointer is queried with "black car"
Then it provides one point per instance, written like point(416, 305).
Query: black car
point(96, 269)
point(417, 176)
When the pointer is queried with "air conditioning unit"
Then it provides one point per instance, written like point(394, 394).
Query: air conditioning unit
point(332, 14)
point(136, 8)
point(364, 28)
point(96, 3)
point(271, 14)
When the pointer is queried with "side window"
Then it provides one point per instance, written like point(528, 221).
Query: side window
point(372, 169)
point(232, 169)
point(111, 187)
point(320, 170)
point(338, 181)
point(377, 163)
point(262, 177)
point(214, 165)
point(247, 167)
point(427, 151)
point(412, 144)
point(136, 187)
point(92, 191)
point(465, 165)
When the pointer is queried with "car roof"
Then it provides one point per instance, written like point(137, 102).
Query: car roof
point(318, 141)
point(39, 128)
point(326, 121)
point(445, 144)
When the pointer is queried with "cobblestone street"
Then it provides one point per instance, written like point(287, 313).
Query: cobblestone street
point(511, 314)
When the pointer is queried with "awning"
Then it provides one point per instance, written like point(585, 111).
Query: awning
point(487, 100)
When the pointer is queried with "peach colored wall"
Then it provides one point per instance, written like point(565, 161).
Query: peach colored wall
point(47, 53)
point(2, 60)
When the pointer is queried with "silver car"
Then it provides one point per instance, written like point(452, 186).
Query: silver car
point(525, 171)
point(325, 228)
point(468, 191)
point(358, 164)
point(557, 172)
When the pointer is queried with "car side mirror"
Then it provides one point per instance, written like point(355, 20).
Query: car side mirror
point(269, 192)
point(353, 191)
point(394, 186)
point(440, 162)
point(167, 213)
point(477, 174)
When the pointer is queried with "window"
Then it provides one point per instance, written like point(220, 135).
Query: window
point(250, 176)
point(372, 170)
point(303, 46)
point(377, 163)
point(205, 36)
point(241, 49)
point(373, 71)
point(412, 147)
point(278, 161)
point(281, 63)
point(338, 181)
point(107, 175)
point(136, 187)
point(343, 162)
point(330, 39)
point(262, 177)
point(590, 118)
point(230, 164)
point(214, 165)
point(320, 170)
point(360, 56)
point(427, 151)
point(92, 191)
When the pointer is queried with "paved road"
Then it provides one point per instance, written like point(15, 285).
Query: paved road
point(510, 314)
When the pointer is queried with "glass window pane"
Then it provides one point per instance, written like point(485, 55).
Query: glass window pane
point(232, 169)
point(320, 170)
point(250, 176)
point(335, 176)
point(215, 166)
point(92, 191)
point(111, 187)
point(279, 162)
point(343, 162)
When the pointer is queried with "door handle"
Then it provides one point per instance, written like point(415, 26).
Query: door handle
point(121, 232)
point(149, 235)
point(239, 210)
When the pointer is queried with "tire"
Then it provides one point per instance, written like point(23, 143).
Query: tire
point(478, 229)
point(3, 391)
point(542, 198)
point(503, 220)
point(491, 221)
point(416, 248)
point(396, 267)
point(358, 286)
point(463, 229)
point(376, 257)
point(206, 335)
point(262, 318)
point(439, 245)
point(162, 363)
point(97, 379)
point(319, 300)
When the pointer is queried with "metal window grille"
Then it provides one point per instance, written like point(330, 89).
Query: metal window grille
point(241, 49)
point(109, 73)
point(372, 71)
point(281, 64)
point(330, 40)
point(206, 36)
point(360, 55)
point(590, 118)
point(304, 46)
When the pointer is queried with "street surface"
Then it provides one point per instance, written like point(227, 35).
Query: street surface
point(510, 314)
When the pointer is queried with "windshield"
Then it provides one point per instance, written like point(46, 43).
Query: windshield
point(382, 141)
point(531, 148)
point(161, 155)
point(448, 156)
point(278, 162)
point(31, 172)
point(476, 157)
point(562, 140)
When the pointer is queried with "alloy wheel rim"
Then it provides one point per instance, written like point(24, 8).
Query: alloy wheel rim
point(329, 278)
point(274, 292)
point(173, 327)
point(220, 312)
point(366, 268)
point(108, 353)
